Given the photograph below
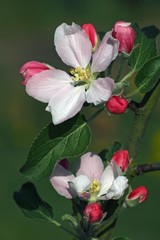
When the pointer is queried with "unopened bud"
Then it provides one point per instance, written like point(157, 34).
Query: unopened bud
point(122, 159)
point(93, 212)
point(31, 68)
point(117, 105)
point(91, 33)
point(125, 34)
point(136, 196)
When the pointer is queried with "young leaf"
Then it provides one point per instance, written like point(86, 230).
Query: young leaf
point(148, 76)
point(65, 140)
point(145, 47)
point(31, 204)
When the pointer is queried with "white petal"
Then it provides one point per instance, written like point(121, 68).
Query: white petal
point(73, 45)
point(43, 85)
point(106, 180)
point(66, 102)
point(118, 187)
point(81, 183)
point(91, 166)
point(105, 54)
point(59, 180)
point(100, 90)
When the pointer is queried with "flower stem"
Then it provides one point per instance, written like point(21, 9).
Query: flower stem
point(121, 67)
point(142, 115)
point(127, 76)
point(63, 228)
point(92, 117)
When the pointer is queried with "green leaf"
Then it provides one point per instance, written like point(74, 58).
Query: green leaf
point(145, 47)
point(65, 140)
point(148, 76)
point(121, 238)
point(31, 204)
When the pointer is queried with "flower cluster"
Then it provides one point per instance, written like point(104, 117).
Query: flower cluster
point(88, 58)
point(81, 49)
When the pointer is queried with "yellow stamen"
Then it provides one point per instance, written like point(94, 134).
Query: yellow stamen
point(95, 186)
point(80, 74)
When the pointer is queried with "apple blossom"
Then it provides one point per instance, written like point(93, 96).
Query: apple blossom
point(66, 93)
point(92, 182)
point(117, 105)
point(125, 34)
point(122, 159)
point(93, 212)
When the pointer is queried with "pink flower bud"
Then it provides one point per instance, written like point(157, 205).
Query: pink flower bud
point(93, 212)
point(64, 163)
point(125, 34)
point(122, 159)
point(31, 68)
point(91, 33)
point(140, 194)
point(117, 105)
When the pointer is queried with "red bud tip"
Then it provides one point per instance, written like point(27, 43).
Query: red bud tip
point(117, 105)
point(93, 212)
point(31, 68)
point(125, 34)
point(91, 33)
point(139, 193)
point(122, 159)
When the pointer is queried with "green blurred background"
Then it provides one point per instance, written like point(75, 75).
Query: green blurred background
point(26, 33)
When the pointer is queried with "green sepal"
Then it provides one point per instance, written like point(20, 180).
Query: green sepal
point(32, 205)
point(69, 139)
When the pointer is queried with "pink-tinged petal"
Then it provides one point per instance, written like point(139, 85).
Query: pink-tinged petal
point(91, 33)
point(33, 67)
point(90, 165)
point(66, 102)
point(105, 53)
point(81, 184)
point(42, 86)
point(73, 45)
point(59, 180)
point(106, 180)
point(118, 187)
point(100, 90)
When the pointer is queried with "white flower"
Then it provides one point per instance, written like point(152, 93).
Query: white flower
point(64, 93)
point(92, 182)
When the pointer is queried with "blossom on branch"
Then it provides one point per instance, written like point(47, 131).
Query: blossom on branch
point(92, 182)
point(66, 93)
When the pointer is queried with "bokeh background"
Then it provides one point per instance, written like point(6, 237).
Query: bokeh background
point(26, 33)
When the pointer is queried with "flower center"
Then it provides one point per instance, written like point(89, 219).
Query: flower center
point(94, 190)
point(80, 74)
point(95, 186)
